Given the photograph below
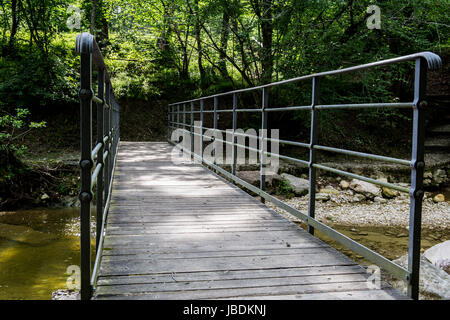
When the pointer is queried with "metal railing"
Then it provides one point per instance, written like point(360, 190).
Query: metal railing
point(100, 172)
point(423, 61)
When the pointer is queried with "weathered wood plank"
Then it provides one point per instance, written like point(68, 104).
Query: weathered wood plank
point(214, 254)
point(238, 293)
point(230, 275)
point(134, 266)
point(176, 231)
point(181, 286)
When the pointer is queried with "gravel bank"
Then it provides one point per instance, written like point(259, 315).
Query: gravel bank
point(393, 213)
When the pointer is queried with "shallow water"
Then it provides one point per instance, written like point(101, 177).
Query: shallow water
point(390, 242)
point(36, 247)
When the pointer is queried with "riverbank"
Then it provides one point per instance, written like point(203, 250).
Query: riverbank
point(45, 180)
point(341, 209)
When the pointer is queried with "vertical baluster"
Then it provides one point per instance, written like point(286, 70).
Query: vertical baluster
point(86, 167)
point(173, 120)
point(100, 106)
point(106, 133)
point(262, 141)
point(234, 148)
point(168, 123)
point(202, 103)
point(192, 130)
point(111, 140)
point(417, 169)
point(312, 151)
point(216, 103)
point(178, 120)
point(184, 128)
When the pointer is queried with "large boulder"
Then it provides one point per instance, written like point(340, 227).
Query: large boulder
point(253, 177)
point(298, 185)
point(439, 255)
point(367, 189)
point(432, 282)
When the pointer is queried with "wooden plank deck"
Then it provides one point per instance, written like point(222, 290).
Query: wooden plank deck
point(181, 232)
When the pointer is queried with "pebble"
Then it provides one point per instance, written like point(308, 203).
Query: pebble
point(344, 184)
point(439, 198)
point(45, 196)
point(322, 197)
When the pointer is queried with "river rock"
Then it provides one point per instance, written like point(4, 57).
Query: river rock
point(379, 200)
point(63, 294)
point(298, 185)
point(439, 177)
point(344, 184)
point(329, 190)
point(358, 198)
point(439, 198)
point(388, 193)
point(385, 191)
point(253, 177)
point(427, 178)
point(367, 189)
point(45, 196)
point(433, 281)
point(439, 255)
point(323, 197)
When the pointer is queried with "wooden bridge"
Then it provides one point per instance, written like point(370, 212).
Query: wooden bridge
point(182, 232)
point(172, 227)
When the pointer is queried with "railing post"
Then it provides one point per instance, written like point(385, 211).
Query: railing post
point(263, 141)
point(100, 106)
point(178, 118)
point(192, 130)
point(201, 125)
point(106, 133)
point(111, 136)
point(216, 103)
point(86, 164)
point(234, 150)
point(184, 128)
point(312, 152)
point(184, 116)
point(168, 123)
point(173, 122)
point(417, 169)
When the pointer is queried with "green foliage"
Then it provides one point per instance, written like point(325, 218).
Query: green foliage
point(13, 127)
point(283, 188)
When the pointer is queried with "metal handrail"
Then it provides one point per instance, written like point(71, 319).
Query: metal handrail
point(423, 62)
point(104, 152)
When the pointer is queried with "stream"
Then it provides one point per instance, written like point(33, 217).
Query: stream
point(37, 246)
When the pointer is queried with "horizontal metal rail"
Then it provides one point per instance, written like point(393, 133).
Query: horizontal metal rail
point(104, 154)
point(363, 155)
point(423, 61)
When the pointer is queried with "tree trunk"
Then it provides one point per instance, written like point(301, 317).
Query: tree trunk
point(201, 69)
point(224, 40)
point(93, 16)
point(266, 50)
point(14, 24)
